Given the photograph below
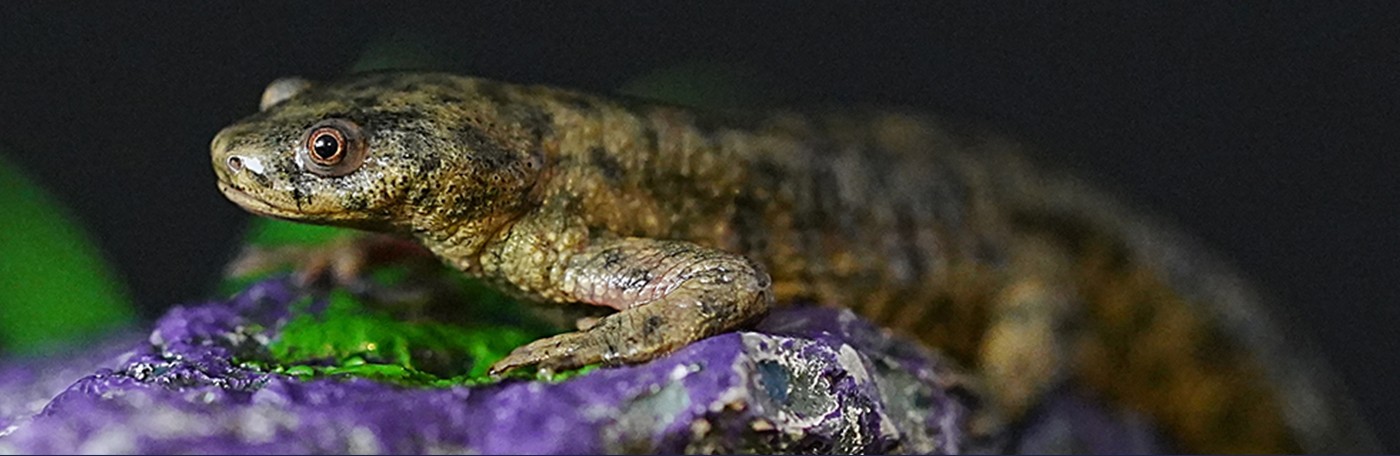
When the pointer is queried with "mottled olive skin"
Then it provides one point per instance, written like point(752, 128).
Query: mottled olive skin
point(692, 224)
point(418, 178)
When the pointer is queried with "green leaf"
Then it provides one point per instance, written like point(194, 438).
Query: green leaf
point(273, 232)
point(54, 284)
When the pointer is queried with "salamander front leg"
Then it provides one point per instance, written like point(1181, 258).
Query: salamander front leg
point(667, 293)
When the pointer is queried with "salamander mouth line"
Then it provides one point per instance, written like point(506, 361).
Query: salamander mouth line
point(259, 206)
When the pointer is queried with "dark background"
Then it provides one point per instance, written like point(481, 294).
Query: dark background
point(1267, 131)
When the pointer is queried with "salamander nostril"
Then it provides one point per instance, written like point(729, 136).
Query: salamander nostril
point(235, 164)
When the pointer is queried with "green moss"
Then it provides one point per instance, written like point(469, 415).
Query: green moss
point(350, 338)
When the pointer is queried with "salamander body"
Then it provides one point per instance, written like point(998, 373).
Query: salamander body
point(689, 224)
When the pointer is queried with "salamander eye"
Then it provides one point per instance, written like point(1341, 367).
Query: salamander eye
point(333, 147)
point(327, 146)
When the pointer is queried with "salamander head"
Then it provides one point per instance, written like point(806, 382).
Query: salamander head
point(380, 151)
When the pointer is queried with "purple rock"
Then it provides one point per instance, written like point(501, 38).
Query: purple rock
point(806, 379)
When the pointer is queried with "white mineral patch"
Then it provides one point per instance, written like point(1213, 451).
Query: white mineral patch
point(113, 440)
point(362, 440)
point(168, 423)
point(681, 371)
point(854, 363)
point(255, 428)
point(253, 164)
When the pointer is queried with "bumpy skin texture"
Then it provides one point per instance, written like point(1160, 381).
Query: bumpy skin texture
point(693, 224)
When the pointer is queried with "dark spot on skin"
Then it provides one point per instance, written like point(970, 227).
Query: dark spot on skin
point(535, 120)
point(651, 324)
point(421, 197)
point(636, 278)
point(606, 164)
point(487, 155)
point(261, 179)
point(610, 257)
point(716, 306)
point(674, 250)
point(356, 202)
point(467, 205)
point(389, 120)
point(447, 98)
point(415, 150)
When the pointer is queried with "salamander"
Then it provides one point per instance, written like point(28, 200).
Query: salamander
point(686, 224)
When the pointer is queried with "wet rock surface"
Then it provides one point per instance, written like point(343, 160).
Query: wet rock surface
point(806, 379)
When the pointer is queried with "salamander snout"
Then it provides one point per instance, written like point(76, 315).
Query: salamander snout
point(235, 164)
point(227, 163)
